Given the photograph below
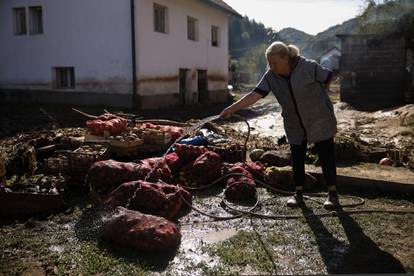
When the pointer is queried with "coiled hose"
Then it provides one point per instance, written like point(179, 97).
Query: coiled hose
point(358, 201)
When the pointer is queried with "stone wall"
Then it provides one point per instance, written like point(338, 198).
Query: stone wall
point(373, 71)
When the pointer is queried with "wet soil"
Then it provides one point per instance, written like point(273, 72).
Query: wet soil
point(69, 242)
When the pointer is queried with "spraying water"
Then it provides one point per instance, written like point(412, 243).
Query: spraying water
point(185, 133)
point(92, 225)
point(191, 129)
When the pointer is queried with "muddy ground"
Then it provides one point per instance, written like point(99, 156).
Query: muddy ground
point(69, 242)
point(392, 126)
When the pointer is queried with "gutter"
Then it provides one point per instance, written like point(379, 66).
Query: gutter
point(133, 54)
point(229, 10)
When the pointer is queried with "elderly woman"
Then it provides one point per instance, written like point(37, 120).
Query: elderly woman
point(300, 86)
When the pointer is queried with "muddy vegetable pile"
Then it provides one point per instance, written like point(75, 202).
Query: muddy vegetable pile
point(113, 159)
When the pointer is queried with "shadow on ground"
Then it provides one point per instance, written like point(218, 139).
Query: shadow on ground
point(363, 254)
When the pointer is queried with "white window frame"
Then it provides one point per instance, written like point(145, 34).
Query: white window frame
point(70, 77)
point(20, 28)
point(35, 20)
point(162, 26)
point(215, 31)
point(192, 28)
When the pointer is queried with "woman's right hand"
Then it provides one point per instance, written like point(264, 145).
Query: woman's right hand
point(227, 113)
point(246, 101)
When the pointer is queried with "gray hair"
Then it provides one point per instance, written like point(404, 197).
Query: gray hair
point(281, 49)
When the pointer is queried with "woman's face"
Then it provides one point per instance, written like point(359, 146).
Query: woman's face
point(279, 64)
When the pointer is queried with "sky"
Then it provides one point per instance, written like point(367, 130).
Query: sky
point(310, 16)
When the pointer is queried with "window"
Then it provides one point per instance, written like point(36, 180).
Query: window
point(160, 18)
point(192, 28)
point(214, 36)
point(19, 21)
point(35, 20)
point(65, 77)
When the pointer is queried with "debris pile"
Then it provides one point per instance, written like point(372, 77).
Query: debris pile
point(147, 193)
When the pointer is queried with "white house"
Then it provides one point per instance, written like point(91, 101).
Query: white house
point(330, 58)
point(142, 53)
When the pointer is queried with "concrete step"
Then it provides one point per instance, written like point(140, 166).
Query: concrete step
point(371, 176)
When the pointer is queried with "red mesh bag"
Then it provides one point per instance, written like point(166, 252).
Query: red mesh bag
point(174, 162)
point(189, 153)
point(107, 122)
point(239, 187)
point(255, 168)
point(153, 198)
point(205, 169)
point(139, 231)
point(175, 132)
point(104, 176)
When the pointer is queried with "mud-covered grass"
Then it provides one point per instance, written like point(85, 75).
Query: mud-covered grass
point(364, 243)
point(70, 243)
point(50, 251)
point(58, 245)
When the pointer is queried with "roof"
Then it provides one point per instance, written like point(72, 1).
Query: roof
point(341, 36)
point(327, 51)
point(223, 6)
point(330, 49)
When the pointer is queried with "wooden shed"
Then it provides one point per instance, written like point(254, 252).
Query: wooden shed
point(373, 71)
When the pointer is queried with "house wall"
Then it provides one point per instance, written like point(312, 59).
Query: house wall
point(160, 56)
point(372, 70)
point(91, 35)
point(94, 37)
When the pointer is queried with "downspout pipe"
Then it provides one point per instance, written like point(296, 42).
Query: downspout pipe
point(133, 54)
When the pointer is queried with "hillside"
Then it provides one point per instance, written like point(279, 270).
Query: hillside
point(313, 46)
point(294, 36)
point(248, 38)
point(391, 17)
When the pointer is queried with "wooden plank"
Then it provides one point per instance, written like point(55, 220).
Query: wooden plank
point(23, 204)
point(371, 176)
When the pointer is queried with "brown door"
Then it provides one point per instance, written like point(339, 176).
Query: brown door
point(202, 86)
point(183, 85)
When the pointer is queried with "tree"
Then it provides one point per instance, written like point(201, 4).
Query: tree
point(245, 34)
point(390, 18)
point(234, 69)
point(248, 40)
point(254, 62)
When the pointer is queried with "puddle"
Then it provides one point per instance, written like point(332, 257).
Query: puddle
point(57, 248)
point(267, 123)
point(215, 237)
point(211, 236)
